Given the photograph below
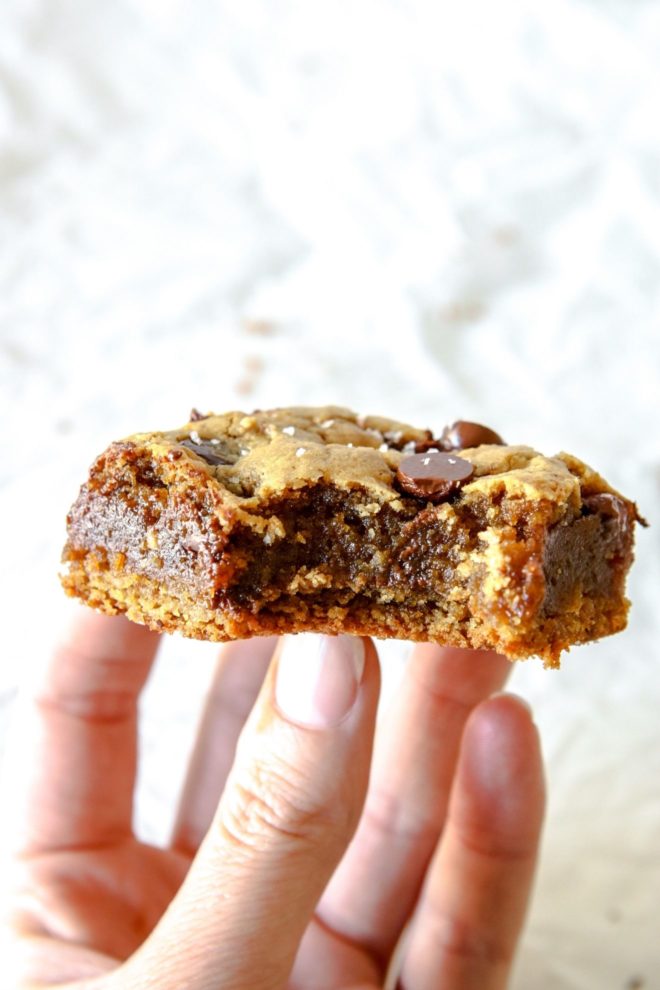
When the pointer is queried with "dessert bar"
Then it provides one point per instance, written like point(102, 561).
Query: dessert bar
point(295, 519)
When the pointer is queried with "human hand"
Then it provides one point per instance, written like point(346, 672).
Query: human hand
point(294, 879)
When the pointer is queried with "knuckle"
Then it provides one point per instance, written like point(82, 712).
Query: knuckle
point(455, 937)
point(386, 815)
point(100, 707)
point(487, 842)
point(270, 804)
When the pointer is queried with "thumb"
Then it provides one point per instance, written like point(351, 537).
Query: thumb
point(290, 807)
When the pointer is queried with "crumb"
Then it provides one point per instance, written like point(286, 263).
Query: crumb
point(461, 312)
point(253, 363)
point(253, 366)
point(506, 235)
point(260, 328)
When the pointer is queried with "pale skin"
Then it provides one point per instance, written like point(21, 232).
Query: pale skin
point(300, 855)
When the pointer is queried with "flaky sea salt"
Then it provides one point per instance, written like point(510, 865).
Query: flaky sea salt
point(289, 430)
point(300, 451)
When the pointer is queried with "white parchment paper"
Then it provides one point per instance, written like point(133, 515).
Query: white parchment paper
point(424, 209)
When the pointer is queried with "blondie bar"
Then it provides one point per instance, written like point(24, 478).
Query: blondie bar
point(318, 519)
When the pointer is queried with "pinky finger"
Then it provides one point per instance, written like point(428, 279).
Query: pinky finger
point(471, 911)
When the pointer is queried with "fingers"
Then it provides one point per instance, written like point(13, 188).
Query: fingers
point(290, 806)
point(373, 892)
point(471, 911)
point(76, 738)
point(239, 675)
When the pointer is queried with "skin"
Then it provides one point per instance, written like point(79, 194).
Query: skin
point(299, 855)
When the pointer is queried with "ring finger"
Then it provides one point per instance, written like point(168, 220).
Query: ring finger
point(374, 889)
point(468, 919)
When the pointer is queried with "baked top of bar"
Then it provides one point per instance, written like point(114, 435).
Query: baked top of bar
point(266, 453)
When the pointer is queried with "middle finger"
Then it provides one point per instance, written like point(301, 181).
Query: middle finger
point(374, 889)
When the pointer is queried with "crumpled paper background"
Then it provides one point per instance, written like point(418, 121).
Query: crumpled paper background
point(423, 209)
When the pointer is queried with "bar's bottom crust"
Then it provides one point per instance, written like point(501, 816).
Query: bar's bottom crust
point(105, 585)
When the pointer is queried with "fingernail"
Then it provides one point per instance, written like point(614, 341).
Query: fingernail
point(318, 678)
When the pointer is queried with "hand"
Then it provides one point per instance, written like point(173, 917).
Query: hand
point(297, 860)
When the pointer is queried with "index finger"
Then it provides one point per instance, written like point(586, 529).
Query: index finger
point(73, 756)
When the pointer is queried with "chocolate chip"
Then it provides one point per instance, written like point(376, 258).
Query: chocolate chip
point(423, 445)
point(394, 439)
point(462, 434)
point(434, 475)
point(196, 415)
point(209, 452)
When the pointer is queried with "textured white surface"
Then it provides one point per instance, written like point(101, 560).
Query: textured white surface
point(425, 209)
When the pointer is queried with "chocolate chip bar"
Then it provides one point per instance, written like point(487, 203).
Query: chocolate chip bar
point(318, 519)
